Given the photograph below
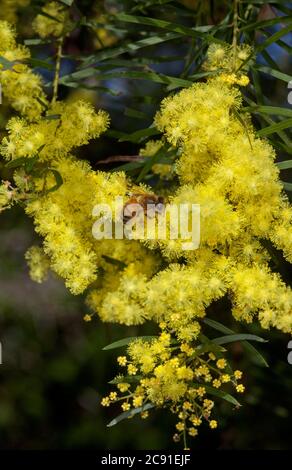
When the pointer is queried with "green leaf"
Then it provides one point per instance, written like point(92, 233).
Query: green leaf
point(266, 23)
point(126, 378)
point(282, 134)
point(217, 326)
point(254, 353)
point(257, 86)
point(273, 110)
point(36, 41)
point(78, 84)
point(209, 345)
point(52, 116)
point(130, 414)
point(274, 38)
point(223, 395)
point(31, 163)
point(40, 63)
point(261, 2)
point(135, 113)
point(126, 341)
point(219, 393)
point(16, 162)
point(199, 75)
point(273, 73)
point(200, 31)
point(275, 127)
point(284, 46)
point(282, 7)
point(80, 74)
point(131, 47)
point(287, 186)
point(175, 82)
point(270, 60)
point(114, 261)
point(284, 165)
point(128, 166)
point(7, 64)
point(282, 147)
point(67, 2)
point(138, 136)
point(148, 165)
point(149, 3)
point(58, 179)
point(238, 337)
point(243, 123)
point(27, 162)
point(138, 61)
point(98, 24)
point(267, 119)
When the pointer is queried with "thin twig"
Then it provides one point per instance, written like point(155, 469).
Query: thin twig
point(57, 70)
point(122, 158)
point(235, 31)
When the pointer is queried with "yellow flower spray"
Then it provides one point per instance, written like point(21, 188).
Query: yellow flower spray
point(222, 165)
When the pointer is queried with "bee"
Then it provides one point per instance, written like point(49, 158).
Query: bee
point(142, 200)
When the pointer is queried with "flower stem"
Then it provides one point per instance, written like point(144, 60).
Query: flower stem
point(57, 70)
point(235, 30)
point(185, 436)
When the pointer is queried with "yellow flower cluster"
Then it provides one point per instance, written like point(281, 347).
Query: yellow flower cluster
point(102, 36)
point(195, 118)
point(21, 86)
point(233, 79)
point(281, 233)
point(258, 291)
point(174, 375)
point(6, 195)
point(228, 59)
point(231, 173)
point(38, 263)
point(231, 63)
point(54, 21)
point(64, 127)
point(136, 295)
point(64, 219)
point(118, 298)
point(8, 11)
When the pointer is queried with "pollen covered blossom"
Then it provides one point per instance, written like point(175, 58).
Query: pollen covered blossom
point(174, 377)
point(53, 21)
point(281, 233)
point(64, 219)
point(230, 61)
point(231, 173)
point(64, 127)
point(9, 9)
point(7, 195)
point(38, 263)
point(117, 297)
point(21, 86)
